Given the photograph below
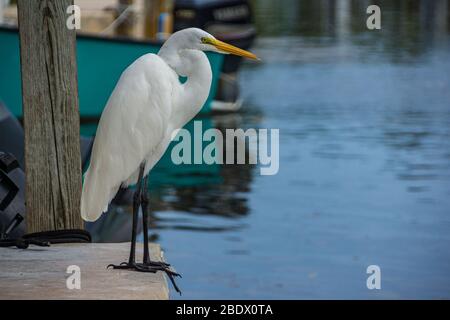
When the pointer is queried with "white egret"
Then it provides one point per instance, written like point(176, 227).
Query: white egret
point(147, 105)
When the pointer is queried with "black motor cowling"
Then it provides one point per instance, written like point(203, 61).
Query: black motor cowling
point(12, 196)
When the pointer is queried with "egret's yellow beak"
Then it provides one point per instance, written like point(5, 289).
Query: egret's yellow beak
point(228, 48)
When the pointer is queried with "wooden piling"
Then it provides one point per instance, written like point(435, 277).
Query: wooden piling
point(51, 115)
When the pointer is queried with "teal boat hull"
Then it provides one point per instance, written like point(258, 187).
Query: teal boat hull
point(101, 61)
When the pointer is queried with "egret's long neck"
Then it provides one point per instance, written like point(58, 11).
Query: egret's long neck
point(194, 65)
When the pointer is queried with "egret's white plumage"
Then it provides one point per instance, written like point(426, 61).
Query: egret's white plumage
point(146, 106)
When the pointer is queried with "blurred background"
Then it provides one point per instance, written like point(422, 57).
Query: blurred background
point(364, 120)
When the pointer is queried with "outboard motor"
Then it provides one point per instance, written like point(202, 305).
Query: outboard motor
point(12, 176)
point(12, 197)
point(11, 135)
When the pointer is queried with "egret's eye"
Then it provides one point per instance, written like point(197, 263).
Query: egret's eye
point(205, 40)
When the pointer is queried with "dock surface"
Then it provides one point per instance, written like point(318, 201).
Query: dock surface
point(42, 273)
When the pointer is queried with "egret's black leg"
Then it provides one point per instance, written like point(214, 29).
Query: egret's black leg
point(136, 204)
point(144, 201)
point(141, 199)
point(147, 261)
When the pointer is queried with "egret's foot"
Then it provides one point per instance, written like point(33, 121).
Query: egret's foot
point(150, 266)
point(145, 267)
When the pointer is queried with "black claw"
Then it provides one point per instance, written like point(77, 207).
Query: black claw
point(174, 283)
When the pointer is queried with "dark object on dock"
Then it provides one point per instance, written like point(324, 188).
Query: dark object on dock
point(20, 242)
point(43, 238)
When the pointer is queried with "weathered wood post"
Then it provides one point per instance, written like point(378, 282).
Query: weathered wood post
point(51, 116)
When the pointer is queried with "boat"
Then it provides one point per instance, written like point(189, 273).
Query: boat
point(230, 21)
point(101, 60)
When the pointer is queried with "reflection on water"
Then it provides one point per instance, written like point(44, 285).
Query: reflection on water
point(364, 119)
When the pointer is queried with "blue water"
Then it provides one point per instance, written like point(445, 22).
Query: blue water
point(364, 176)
